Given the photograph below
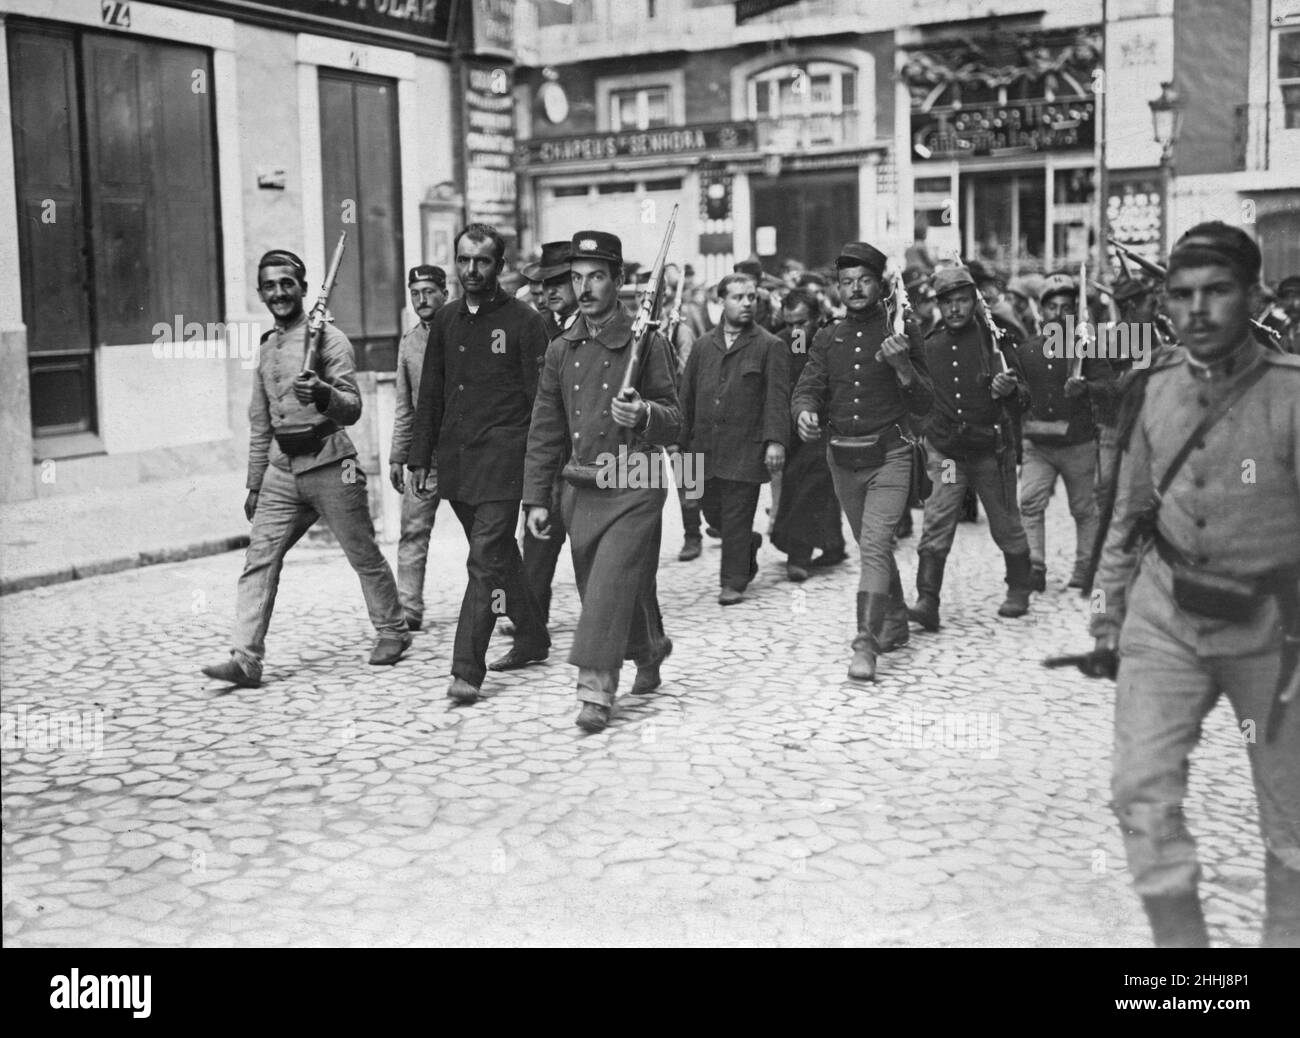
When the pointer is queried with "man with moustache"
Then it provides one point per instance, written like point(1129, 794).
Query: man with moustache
point(735, 396)
point(1200, 584)
point(541, 555)
point(808, 515)
point(971, 443)
point(1059, 435)
point(614, 525)
point(302, 466)
point(476, 396)
point(865, 380)
point(428, 288)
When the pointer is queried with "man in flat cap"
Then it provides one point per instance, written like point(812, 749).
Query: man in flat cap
point(476, 397)
point(302, 466)
point(859, 385)
point(1200, 583)
point(1059, 434)
point(1024, 299)
point(607, 444)
point(971, 442)
point(735, 395)
point(428, 288)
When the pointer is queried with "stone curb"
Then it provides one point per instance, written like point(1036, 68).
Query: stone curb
point(102, 567)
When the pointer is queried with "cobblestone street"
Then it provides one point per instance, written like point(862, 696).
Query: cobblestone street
point(759, 798)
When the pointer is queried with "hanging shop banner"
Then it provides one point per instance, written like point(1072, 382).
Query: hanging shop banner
point(419, 25)
point(489, 122)
point(1135, 214)
point(494, 27)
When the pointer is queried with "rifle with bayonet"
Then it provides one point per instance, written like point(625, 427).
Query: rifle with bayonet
point(898, 306)
point(1267, 336)
point(319, 315)
point(646, 320)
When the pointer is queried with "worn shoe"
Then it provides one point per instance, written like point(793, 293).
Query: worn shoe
point(413, 623)
point(507, 628)
point(795, 572)
point(1019, 583)
point(712, 532)
point(828, 559)
point(1038, 577)
point(1177, 921)
point(388, 650)
point(593, 718)
point(755, 542)
point(462, 691)
point(929, 582)
point(895, 633)
point(1078, 580)
point(517, 657)
point(647, 674)
point(730, 596)
point(690, 550)
point(233, 674)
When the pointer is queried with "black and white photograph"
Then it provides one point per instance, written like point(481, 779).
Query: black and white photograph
point(651, 474)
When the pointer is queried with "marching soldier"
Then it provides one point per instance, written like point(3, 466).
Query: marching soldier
point(302, 466)
point(614, 525)
point(428, 288)
point(735, 395)
point(476, 396)
point(808, 515)
point(865, 380)
point(1201, 579)
point(971, 442)
point(1058, 436)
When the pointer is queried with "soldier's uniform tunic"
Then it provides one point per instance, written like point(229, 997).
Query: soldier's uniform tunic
point(614, 532)
point(857, 395)
point(1234, 508)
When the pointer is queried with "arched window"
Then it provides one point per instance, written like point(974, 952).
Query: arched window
point(805, 104)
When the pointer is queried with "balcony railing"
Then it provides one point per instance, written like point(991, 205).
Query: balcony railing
point(804, 132)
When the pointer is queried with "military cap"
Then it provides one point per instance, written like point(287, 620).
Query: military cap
point(283, 258)
point(1218, 243)
point(751, 266)
point(983, 273)
point(949, 279)
point(1059, 284)
point(914, 278)
point(860, 254)
point(427, 272)
point(597, 245)
point(1289, 283)
point(811, 277)
point(1024, 288)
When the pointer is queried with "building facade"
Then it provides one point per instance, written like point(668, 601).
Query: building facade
point(157, 149)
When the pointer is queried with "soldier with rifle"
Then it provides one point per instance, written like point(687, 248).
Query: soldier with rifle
point(971, 437)
point(607, 402)
point(302, 466)
point(1199, 585)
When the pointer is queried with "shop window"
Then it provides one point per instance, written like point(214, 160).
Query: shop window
point(116, 184)
point(667, 184)
point(621, 188)
point(642, 109)
point(571, 191)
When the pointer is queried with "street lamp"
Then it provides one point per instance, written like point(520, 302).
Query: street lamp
point(1166, 121)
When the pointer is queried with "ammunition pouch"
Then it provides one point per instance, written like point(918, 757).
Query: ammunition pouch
point(1216, 596)
point(864, 452)
point(298, 440)
point(579, 475)
point(1033, 428)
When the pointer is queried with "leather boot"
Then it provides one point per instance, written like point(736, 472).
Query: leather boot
point(866, 646)
point(895, 633)
point(929, 581)
point(1281, 905)
point(1019, 583)
point(1177, 921)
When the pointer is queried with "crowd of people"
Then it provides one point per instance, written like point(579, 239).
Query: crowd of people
point(1170, 410)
